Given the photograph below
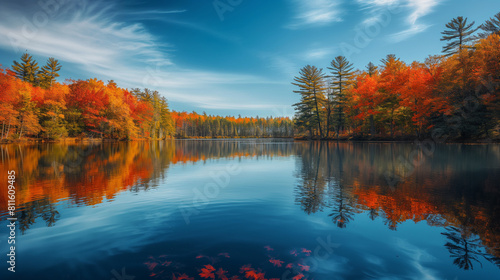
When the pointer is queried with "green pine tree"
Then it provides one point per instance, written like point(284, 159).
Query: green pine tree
point(342, 75)
point(49, 73)
point(27, 69)
point(309, 111)
point(371, 69)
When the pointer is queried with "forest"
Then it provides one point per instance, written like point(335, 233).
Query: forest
point(452, 96)
point(34, 105)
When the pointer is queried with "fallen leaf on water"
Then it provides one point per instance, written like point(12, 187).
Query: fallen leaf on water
point(268, 248)
point(226, 255)
point(246, 267)
point(304, 267)
point(298, 277)
point(252, 274)
point(151, 265)
point(182, 277)
point(166, 263)
point(221, 273)
point(207, 272)
point(277, 263)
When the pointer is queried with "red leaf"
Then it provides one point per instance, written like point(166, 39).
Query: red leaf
point(277, 263)
point(226, 255)
point(207, 272)
point(304, 267)
point(245, 268)
point(268, 248)
point(151, 265)
point(222, 274)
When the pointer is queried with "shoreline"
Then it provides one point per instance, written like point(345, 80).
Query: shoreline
point(71, 140)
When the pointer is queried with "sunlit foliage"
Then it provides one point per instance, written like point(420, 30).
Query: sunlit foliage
point(455, 95)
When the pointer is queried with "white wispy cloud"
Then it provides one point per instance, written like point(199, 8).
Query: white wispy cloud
point(408, 33)
point(418, 9)
point(318, 54)
point(419, 258)
point(90, 37)
point(411, 10)
point(315, 13)
point(285, 65)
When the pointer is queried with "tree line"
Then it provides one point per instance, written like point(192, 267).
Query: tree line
point(34, 104)
point(450, 96)
point(207, 126)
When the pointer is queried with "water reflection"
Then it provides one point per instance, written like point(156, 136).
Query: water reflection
point(454, 188)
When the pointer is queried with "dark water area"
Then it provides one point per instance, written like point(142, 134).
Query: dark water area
point(253, 209)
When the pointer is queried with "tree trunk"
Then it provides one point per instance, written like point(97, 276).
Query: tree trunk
point(372, 125)
point(8, 130)
point(21, 128)
point(317, 113)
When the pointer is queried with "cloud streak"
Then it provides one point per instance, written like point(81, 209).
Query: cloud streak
point(412, 10)
point(92, 38)
point(419, 9)
point(310, 13)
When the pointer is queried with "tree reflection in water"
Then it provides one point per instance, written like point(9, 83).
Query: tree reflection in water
point(441, 191)
point(450, 189)
point(466, 248)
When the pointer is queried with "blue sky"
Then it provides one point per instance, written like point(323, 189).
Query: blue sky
point(224, 57)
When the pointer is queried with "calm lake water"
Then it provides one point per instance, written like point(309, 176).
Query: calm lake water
point(249, 209)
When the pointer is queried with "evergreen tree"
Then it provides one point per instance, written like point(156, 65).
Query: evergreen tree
point(459, 33)
point(49, 73)
point(371, 69)
point(311, 85)
point(491, 26)
point(342, 73)
point(27, 69)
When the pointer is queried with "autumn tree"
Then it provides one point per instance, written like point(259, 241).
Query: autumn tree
point(372, 70)
point(486, 76)
point(366, 99)
point(8, 104)
point(161, 124)
point(86, 103)
point(27, 118)
point(52, 109)
point(391, 81)
point(310, 109)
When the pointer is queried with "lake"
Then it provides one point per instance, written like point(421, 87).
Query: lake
point(253, 209)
